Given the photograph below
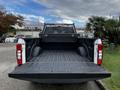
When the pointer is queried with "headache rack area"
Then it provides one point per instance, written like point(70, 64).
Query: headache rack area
point(59, 66)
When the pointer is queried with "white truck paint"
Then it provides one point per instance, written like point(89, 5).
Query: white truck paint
point(98, 41)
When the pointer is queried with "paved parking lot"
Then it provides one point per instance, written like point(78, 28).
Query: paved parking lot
point(7, 64)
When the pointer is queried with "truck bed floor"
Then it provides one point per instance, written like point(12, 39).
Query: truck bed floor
point(61, 56)
point(59, 62)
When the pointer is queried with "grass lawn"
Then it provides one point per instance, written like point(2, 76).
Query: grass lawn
point(111, 61)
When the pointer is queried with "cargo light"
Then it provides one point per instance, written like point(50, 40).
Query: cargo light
point(19, 54)
point(100, 47)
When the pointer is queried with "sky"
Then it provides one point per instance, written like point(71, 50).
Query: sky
point(62, 11)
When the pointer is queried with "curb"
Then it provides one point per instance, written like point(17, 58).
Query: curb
point(7, 44)
point(100, 85)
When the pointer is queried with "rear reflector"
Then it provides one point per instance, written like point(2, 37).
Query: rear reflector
point(99, 60)
point(19, 54)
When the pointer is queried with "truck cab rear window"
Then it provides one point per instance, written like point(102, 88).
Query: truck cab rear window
point(59, 30)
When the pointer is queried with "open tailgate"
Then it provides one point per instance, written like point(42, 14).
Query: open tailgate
point(59, 72)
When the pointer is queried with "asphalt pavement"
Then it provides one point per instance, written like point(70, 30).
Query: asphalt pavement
point(8, 63)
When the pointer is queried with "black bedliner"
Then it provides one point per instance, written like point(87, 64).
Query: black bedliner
point(59, 66)
point(63, 56)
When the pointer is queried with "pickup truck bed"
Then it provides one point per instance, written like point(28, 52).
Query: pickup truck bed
point(59, 66)
point(58, 56)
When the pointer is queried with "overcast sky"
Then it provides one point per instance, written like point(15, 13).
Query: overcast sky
point(62, 11)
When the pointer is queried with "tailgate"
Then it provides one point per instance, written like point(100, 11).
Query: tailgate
point(59, 72)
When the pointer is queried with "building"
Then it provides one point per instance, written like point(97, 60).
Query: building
point(32, 30)
point(33, 26)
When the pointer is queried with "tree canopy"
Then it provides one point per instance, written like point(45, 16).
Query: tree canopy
point(104, 27)
point(8, 19)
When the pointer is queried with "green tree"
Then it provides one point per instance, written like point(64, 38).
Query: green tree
point(112, 28)
point(97, 24)
point(111, 24)
point(104, 28)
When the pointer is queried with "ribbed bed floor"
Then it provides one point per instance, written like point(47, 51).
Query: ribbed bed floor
point(61, 56)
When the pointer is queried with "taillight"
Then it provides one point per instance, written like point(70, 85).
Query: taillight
point(99, 60)
point(19, 53)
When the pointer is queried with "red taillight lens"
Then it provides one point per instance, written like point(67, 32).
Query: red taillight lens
point(99, 62)
point(19, 54)
point(100, 47)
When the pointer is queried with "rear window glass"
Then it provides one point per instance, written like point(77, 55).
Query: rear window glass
point(59, 30)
